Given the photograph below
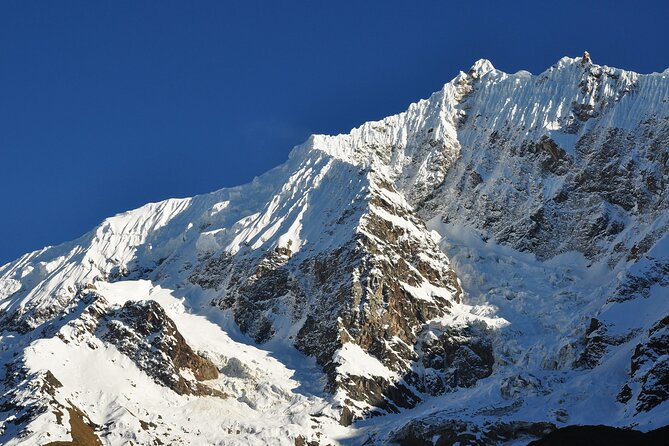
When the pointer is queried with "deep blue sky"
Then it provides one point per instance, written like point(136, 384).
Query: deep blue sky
point(107, 105)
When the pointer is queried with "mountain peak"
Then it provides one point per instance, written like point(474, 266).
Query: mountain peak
point(480, 68)
point(586, 58)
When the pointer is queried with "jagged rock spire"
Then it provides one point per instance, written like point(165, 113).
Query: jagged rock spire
point(586, 58)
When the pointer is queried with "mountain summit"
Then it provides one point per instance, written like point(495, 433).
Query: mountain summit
point(487, 266)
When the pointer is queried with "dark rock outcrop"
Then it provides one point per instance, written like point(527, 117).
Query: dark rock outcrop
point(143, 331)
point(650, 366)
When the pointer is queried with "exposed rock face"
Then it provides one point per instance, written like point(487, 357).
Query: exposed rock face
point(146, 334)
point(453, 357)
point(82, 430)
point(608, 183)
point(378, 291)
point(650, 366)
point(141, 330)
point(597, 343)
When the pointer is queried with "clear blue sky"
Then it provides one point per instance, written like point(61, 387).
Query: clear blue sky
point(107, 105)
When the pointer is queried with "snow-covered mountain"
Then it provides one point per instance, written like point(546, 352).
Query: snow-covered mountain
point(487, 266)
